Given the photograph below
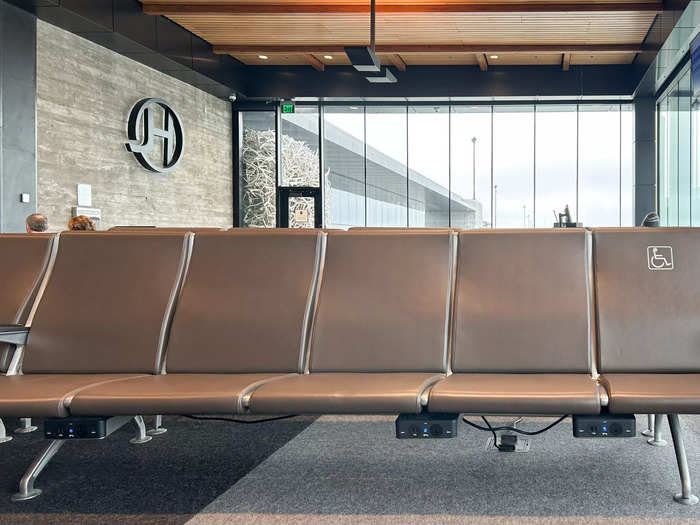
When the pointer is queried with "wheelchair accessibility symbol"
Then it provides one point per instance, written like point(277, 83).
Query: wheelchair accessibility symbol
point(660, 257)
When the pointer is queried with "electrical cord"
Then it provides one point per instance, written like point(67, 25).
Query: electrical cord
point(513, 429)
point(241, 421)
point(495, 437)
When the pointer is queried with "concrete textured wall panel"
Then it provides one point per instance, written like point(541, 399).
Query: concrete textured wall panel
point(84, 95)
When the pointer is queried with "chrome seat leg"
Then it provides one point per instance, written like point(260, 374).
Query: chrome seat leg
point(686, 496)
point(650, 426)
point(158, 427)
point(4, 438)
point(26, 484)
point(656, 441)
point(25, 426)
point(142, 436)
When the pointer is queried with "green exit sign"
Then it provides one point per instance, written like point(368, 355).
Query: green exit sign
point(288, 108)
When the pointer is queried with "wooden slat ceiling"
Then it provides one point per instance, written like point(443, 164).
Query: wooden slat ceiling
point(425, 32)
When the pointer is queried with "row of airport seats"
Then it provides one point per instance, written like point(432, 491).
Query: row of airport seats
point(361, 322)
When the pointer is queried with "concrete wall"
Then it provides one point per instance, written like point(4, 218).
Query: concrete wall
point(17, 116)
point(84, 95)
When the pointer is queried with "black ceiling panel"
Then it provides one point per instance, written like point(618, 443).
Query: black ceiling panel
point(130, 22)
point(173, 41)
point(97, 11)
point(156, 61)
point(444, 81)
point(116, 42)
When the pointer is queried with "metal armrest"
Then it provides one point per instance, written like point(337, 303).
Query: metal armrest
point(13, 334)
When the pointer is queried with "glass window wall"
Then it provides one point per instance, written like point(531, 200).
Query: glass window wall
point(599, 165)
point(299, 148)
point(513, 166)
point(344, 166)
point(258, 170)
point(556, 142)
point(503, 166)
point(429, 166)
point(387, 148)
point(677, 158)
point(470, 162)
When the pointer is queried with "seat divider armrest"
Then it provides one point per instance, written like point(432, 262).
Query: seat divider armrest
point(13, 334)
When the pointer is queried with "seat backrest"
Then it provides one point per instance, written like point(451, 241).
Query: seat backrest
point(244, 305)
point(383, 302)
point(165, 229)
point(22, 264)
point(648, 299)
point(107, 303)
point(522, 302)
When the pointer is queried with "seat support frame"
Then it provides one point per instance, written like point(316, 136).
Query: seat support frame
point(28, 491)
point(686, 497)
point(4, 438)
point(649, 431)
point(158, 427)
point(25, 426)
point(656, 440)
point(142, 436)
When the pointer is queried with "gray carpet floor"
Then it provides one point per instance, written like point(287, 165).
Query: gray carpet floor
point(349, 470)
point(352, 470)
point(165, 481)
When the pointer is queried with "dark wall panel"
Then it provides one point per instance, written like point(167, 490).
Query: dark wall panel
point(445, 81)
point(121, 25)
point(17, 116)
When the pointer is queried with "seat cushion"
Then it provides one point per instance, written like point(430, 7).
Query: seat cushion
point(343, 393)
point(653, 393)
point(168, 394)
point(47, 395)
point(516, 394)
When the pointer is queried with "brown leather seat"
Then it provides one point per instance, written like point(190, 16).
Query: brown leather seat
point(102, 317)
point(379, 334)
point(22, 266)
point(648, 318)
point(46, 395)
point(653, 393)
point(168, 394)
point(516, 394)
point(240, 321)
point(344, 393)
point(522, 326)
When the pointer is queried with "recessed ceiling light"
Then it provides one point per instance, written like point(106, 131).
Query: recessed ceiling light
point(263, 57)
point(493, 56)
point(328, 57)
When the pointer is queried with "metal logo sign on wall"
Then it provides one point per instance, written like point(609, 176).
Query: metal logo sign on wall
point(141, 117)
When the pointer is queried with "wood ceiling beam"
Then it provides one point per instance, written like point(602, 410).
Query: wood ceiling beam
point(566, 61)
point(427, 49)
point(397, 62)
point(350, 8)
point(481, 59)
point(315, 63)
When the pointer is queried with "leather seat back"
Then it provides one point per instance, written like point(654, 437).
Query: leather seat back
point(22, 266)
point(522, 302)
point(648, 298)
point(163, 229)
point(244, 302)
point(383, 302)
point(107, 303)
